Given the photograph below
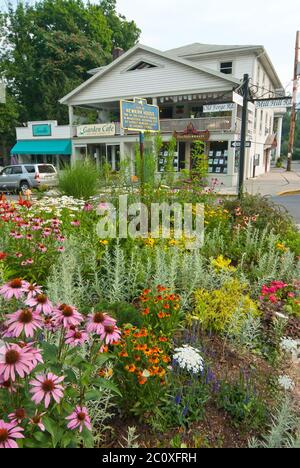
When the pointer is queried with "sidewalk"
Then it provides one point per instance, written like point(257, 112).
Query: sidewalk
point(273, 183)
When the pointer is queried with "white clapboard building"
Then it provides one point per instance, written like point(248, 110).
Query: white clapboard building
point(193, 87)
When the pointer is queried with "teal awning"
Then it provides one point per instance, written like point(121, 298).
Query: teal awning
point(43, 147)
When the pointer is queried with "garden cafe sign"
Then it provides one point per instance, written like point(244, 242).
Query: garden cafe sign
point(96, 130)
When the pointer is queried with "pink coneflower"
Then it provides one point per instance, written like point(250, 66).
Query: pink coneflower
point(47, 387)
point(75, 223)
point(33, 290)
point(15, 360)
point(76, 337)
point(24, 320)
point(110, 334)
point(67, 316)
point(7, 385)
point(79, 419)
point(41, 302)
point(60, 249)
point(9, 432)
point(17, 416)
point(37, 421)
point(97, 321)
point(88, 207)
point(34, 353)
point(14, 288)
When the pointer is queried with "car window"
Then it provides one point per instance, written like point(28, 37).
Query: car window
point(46, 169)
point(17, 170)
point(30, 169)
point(7, 171)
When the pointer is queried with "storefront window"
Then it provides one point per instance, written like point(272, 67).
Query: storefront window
point(218, 157)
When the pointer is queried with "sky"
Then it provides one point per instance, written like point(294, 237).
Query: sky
point(166, 24)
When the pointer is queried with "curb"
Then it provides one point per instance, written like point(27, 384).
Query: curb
point(289, 192)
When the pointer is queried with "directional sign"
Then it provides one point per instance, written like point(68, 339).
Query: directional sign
point(273, 103)
point(139, 116)
point(238, 144)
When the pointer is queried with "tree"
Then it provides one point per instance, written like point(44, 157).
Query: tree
point(50, 45)
point(9, 118)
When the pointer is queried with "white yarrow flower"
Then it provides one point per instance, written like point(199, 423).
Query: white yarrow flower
point(288, 345)
point(189, 358)
point(286, 382)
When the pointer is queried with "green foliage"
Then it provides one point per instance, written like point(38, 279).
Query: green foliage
point(80, 180)
point(215, 310)
point(241, 401)
point(50, 45)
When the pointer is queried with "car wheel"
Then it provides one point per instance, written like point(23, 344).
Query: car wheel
point(24, 186)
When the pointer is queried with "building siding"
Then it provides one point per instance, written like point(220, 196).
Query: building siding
point(169, 77)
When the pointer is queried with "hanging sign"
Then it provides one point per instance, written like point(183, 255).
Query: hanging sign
point(139, 116)
point(273, 103)
point(191, 134)
point(238, 99)
point(41, 130)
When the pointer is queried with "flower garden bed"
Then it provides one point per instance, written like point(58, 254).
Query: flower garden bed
point(126, 343)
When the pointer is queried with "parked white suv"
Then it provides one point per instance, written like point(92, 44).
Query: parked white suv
point(26, 176)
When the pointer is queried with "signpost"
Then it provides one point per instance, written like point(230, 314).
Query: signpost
point(139, 116)
point(273, 103)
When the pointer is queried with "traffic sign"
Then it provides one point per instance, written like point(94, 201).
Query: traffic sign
point(238, 144)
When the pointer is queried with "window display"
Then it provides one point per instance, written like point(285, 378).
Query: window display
point(218, 157)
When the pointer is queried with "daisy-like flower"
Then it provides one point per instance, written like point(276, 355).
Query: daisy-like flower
point(110, 334)
point(79, 419)
point(67, 316)
point(14, 288)
point(286, 383)
point(7, 385)
point(24, 320)
point(37, 421)
point(17, 416)
point(15, 360)
point(76, 337)
point(41, 302)
point(33, 290)
point(97, 321)
point(9, 433)
point(45, 387)
point(34, 353)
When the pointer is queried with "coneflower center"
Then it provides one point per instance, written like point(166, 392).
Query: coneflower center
point(109, 329)
point(12, 357)
point(41, 299)
point(81, 416)
point(67, 311)
point(3, 435)
point(26, 316)
point(99, 317)
point(16, 283)
point(77, 335)
point(20, 413)
point(48, 385)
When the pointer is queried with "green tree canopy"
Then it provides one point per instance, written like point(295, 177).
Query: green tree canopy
point(49, 46)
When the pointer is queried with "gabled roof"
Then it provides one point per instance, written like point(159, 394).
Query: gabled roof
point(132, 51)
point(197, 48)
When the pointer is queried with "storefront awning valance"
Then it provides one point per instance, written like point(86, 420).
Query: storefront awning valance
point(43, 147)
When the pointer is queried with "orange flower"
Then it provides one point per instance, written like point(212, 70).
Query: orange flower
point(163, 339)
point(161, 288)
point(146, 311)
point(123, 354)
point(142, 380)
point(131, 368)
point(166, 306)
point(161, 315)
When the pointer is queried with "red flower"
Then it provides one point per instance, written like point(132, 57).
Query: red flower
point(2, 256)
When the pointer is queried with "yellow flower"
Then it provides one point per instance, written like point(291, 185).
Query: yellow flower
point(150, 242)
point(173, 242)
point(221, 263)
point(281, 247)
point(103, 242)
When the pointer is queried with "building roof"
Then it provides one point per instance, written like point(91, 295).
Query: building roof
point(198, 48)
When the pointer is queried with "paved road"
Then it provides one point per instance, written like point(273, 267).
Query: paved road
point(292, 204)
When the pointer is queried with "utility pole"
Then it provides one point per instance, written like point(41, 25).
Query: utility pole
point(294, 103)
point(245, 89)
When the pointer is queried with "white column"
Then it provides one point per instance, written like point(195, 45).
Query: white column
point(279, 137)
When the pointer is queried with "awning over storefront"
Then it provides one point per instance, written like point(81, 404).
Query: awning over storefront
point(63, 147)
point(271, 141)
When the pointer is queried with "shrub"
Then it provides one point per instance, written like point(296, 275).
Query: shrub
point(216, 310)
point(80, 180)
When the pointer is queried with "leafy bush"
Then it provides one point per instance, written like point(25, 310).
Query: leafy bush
point(80, 180)
point(216, 310)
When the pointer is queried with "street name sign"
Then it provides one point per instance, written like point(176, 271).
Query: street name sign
point(222, 107)
point(273, 103)
point(139, 116)
point(238, 144)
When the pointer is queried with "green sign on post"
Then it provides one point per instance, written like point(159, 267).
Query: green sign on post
point(42, 130)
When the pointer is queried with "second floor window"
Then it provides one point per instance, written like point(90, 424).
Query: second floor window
point(226, 67)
